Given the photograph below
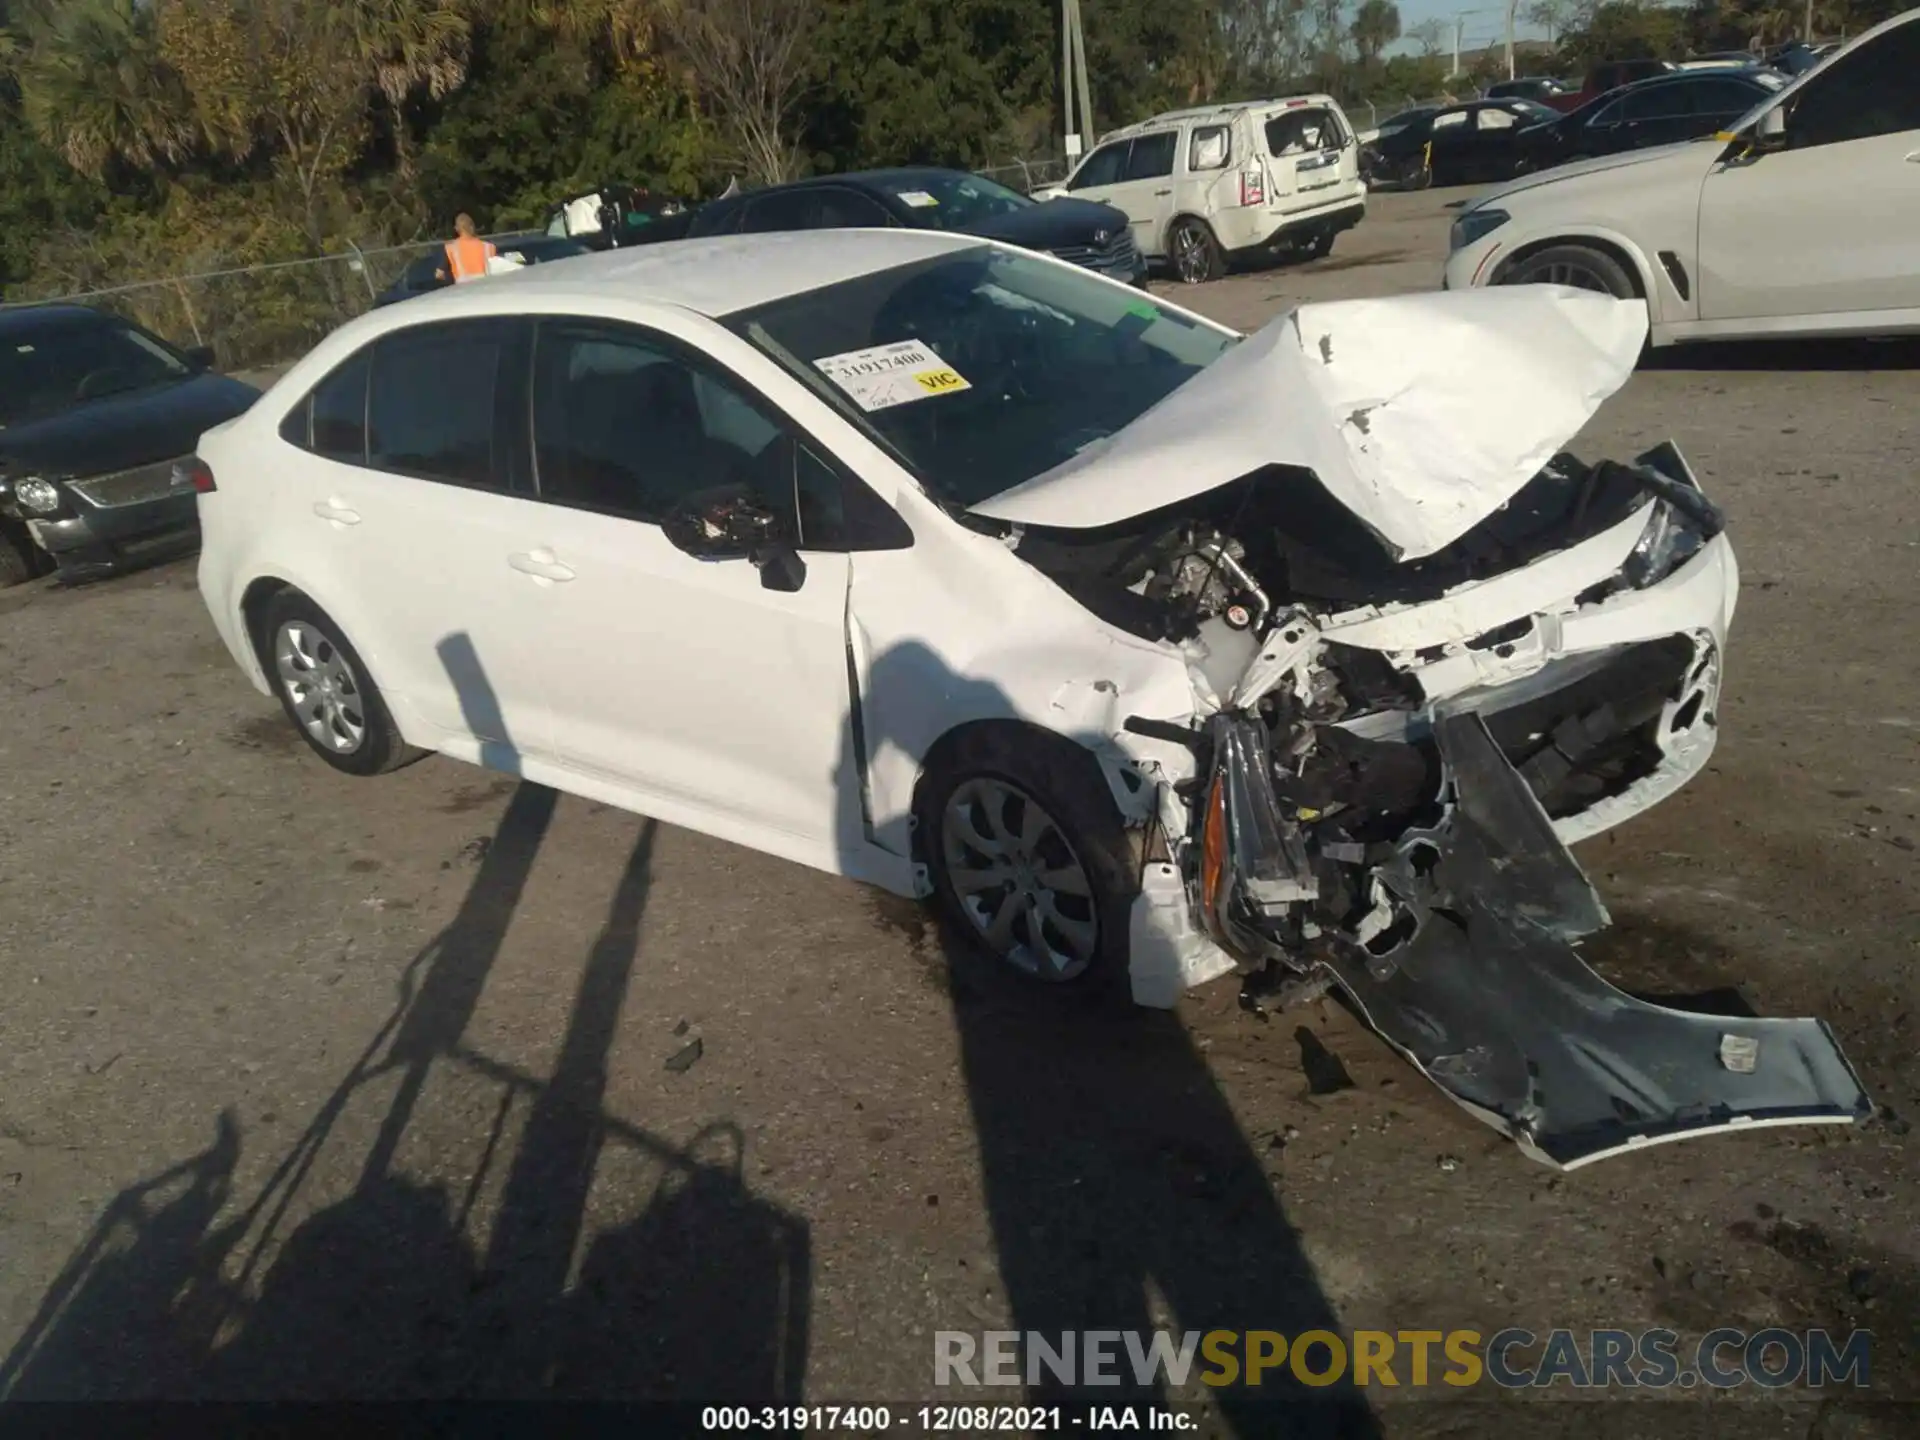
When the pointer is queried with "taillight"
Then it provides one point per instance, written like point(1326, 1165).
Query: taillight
point(1253, 187)
point(195, 472)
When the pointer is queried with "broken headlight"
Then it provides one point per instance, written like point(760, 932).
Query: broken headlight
point(1669, 541)
point(36, 496)
point(1472, 225)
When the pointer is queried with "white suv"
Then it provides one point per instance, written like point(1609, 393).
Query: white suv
point(1204, 186)
point(1803, 219)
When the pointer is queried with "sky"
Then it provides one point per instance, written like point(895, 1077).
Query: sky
point(1484, 22)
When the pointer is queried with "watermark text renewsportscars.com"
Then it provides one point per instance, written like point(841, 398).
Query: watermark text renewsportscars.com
point(1511, 1359)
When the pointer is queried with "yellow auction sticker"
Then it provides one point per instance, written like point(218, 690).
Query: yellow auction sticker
point(937, 381)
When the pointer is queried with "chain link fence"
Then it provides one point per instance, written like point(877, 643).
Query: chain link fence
point(253, 315)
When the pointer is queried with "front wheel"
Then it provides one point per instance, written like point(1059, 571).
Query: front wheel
point(1418, 175)
point(1197, 257)
point(326, 691)
point(1579, 266)
point(1028, 855)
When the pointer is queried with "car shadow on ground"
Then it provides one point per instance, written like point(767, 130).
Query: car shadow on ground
point(1121, 1191)
point(181, 1291)
point(1900, 352)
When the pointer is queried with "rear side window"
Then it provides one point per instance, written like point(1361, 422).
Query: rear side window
point(434, 401)
point(1210, 148)
point(1494, 118)
point(1874, 91)
point(1450, 120)
point(1152, 156)
point(332, 420)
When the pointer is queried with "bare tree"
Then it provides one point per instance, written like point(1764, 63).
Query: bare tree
point(1553, 16)
point(1430, 35)
point(748, 61)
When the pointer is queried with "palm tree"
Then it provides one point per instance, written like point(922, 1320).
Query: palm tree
point(403, 46)
point(93, 85)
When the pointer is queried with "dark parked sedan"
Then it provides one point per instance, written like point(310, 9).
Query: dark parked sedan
point(94, 412)
point(1682, 106)
point(1081, 231)
point(1462, 144)
point(424, 275)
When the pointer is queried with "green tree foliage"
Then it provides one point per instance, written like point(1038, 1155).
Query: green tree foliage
point(1376, 25)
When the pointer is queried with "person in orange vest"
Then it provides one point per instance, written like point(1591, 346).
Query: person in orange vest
point(467, 253)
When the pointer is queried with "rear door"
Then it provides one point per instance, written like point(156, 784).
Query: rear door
point(1658, 114)
point(1830, 225)
point(1450, 145)
point(413, 493)
point(1494, 155)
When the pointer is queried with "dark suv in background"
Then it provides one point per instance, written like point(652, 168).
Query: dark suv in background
point(923, 198)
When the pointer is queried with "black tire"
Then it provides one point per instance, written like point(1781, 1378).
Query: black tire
point(345, 699)
point(1195, 254)
point(1320, 246)
point(1064, 781)
point(16, 564)
point(1580, 266)
point(1418, 176)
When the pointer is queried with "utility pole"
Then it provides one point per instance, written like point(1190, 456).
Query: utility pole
point(1076, 101)
point(1512, 6)
point(1809, 34)
point(1458, 25)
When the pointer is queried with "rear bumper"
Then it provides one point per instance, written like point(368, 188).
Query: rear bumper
point(1329, 221)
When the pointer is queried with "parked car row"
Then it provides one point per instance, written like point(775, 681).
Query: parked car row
point(1799, 217)
point(1479, 141)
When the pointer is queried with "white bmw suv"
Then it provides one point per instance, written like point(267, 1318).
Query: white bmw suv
point(1803, 219)
point(1149, 650)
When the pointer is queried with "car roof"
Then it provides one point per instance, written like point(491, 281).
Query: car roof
point(1209, 112)
point(713, 277)
point(27, 319)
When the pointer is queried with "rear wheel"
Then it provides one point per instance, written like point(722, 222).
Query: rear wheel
point(1028, 855)
point(1197, 257)
point(1580, 266)
point(326, 691)
point(1319, 247)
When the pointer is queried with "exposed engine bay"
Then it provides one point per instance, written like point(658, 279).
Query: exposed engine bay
point(1382, 795)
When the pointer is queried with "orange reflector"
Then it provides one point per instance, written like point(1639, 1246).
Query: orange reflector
point(1213, 847)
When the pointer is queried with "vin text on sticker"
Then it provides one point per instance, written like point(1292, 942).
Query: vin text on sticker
point(888, 375)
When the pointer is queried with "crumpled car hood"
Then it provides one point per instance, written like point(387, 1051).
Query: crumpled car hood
point(1422, 414)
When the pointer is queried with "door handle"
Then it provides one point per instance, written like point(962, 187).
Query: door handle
point(338, 513)
point(540, 564)
point(1914, 158)
point(1158, 193)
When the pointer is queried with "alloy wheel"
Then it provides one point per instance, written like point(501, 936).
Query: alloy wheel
point(320, 686)
point(1019, 880)
point(1192, 260)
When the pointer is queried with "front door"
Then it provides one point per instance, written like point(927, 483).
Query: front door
point(1829, 225)
point(685, 680)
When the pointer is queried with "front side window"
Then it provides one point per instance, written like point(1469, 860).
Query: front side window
point(1152, 156)
point(434, 401)
point(839, 208)
point(1210, 148)
point(625, 424)
point(1657, 102)
point(1494, 118)
point(1449, 120)
point(1874, 91)
point(53, 364)
point(983, 368)
point(783, 210)
point(1104, 167)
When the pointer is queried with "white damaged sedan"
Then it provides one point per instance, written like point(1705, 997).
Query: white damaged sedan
point(1148, 650)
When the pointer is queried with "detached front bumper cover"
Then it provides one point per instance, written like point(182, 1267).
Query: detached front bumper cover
point(1469, 969)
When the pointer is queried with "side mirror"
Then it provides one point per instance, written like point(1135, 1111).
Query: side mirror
point(1770, 131)
point(201, 357)
point(733, 523)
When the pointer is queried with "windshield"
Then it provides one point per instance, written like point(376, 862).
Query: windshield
point(63, 362)
point(983, 368)
point(1395, 123)
point(947, 200)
